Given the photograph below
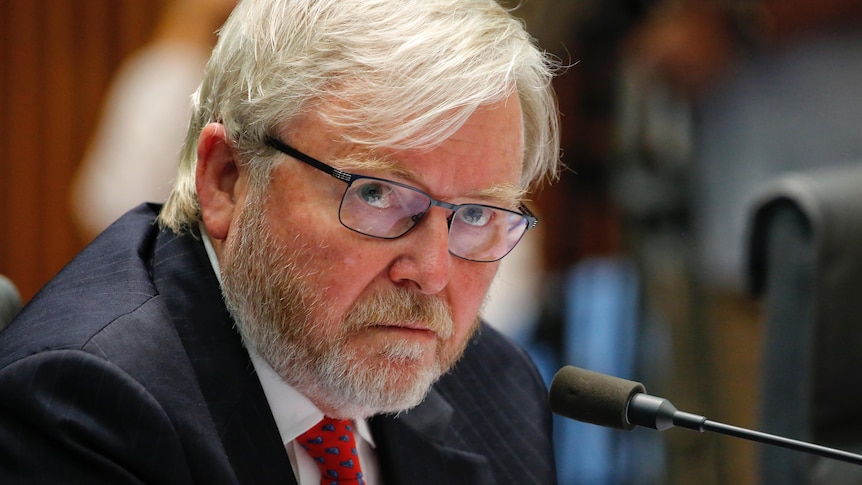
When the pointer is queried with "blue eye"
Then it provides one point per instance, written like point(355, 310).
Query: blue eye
point(475, 215)
point(375, 194)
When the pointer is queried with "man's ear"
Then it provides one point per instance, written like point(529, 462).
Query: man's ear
point(219, 180)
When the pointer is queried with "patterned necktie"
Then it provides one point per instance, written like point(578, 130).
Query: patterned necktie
point(333, 448)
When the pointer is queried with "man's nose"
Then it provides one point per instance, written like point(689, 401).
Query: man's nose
point(424, 260)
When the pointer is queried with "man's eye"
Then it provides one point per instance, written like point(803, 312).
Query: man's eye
point(376, 194)
point(475, 215)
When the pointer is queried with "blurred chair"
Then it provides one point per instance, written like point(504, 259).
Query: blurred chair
point(10, 301)
point(805, 263)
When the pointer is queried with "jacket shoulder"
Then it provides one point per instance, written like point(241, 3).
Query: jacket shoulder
point(108, 279)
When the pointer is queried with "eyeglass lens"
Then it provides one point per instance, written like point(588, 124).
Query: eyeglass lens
point(385, 209)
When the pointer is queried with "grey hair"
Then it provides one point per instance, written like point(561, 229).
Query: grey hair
point(388, 73)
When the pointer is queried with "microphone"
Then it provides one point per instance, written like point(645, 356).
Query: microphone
point(595, 398)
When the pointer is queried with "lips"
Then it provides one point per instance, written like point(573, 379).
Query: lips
point(415, 329)
point(418, 326)
point(414, 326)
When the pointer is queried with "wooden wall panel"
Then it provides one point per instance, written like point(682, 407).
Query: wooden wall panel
point(20, 149)
point(56, 61)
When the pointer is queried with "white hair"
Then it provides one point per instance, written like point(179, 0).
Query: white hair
point(387, 73)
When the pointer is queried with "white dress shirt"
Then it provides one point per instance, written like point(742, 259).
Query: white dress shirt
point(294, 413)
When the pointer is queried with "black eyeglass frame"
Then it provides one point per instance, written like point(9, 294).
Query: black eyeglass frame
point(349, 178)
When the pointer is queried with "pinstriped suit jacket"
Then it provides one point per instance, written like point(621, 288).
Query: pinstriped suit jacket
point(126, 368)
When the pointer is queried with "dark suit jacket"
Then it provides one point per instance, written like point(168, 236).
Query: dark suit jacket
point(126, 368)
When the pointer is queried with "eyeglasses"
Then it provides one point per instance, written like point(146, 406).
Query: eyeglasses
point(386, 209)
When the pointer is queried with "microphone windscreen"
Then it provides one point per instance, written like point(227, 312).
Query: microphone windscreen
point(592, 397)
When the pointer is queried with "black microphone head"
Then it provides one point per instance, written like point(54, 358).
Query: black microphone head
point(592, 397)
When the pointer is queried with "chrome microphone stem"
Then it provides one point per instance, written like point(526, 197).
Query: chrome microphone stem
point(788, 443)
point(658, 413)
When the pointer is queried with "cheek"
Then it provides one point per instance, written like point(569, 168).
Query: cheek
point(338, 273)
point(345, 276)
point(307, 220)
point(467, 293)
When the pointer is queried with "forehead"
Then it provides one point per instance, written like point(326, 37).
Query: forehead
point(483, 157)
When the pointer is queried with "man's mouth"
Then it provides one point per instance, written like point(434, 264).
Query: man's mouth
point(412, 328)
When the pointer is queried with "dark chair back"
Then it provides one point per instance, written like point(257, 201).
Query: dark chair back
point(805, 263)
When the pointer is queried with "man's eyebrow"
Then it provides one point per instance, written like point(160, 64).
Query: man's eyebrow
point(503, 195)
point(365, 162)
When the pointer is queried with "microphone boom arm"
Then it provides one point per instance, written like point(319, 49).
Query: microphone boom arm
point(658, 413)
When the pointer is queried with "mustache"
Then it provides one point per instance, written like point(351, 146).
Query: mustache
point(400, 305)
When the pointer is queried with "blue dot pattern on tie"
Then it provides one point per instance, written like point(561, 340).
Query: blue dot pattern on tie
point(332, 446)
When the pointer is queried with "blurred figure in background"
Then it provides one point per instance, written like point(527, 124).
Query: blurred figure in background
point(133, 153)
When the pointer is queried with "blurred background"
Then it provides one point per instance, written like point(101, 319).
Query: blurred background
point(675, 113)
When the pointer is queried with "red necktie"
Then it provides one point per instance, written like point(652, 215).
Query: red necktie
point(333, 448)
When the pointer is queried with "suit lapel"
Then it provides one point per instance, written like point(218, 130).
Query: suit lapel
point(185, 279)
point(417, 448)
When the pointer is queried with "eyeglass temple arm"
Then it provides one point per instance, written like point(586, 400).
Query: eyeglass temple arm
point(290, 151)
point(532, 220)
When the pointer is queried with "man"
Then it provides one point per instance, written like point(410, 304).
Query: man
point(353, 173)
